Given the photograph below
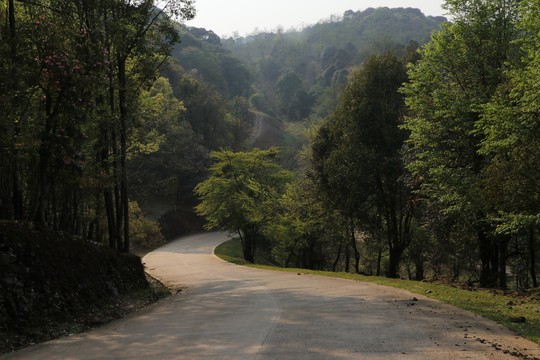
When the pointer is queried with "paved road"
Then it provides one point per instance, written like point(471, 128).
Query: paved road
point(267, 131)
point(231, 312)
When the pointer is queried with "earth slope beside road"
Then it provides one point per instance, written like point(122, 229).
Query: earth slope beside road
point(227, 311)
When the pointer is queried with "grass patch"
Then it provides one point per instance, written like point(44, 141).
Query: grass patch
point(490, 304)
point(231, 251)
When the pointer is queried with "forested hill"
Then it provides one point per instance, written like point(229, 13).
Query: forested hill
point(371, 30)
point(299, 73)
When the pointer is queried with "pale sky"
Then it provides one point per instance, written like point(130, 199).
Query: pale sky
point(225, 17)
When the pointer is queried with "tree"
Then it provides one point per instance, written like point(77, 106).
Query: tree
point(357, 157)
point(305, 233)
point(239, 194)
point(205, 107)
point(288, 86)
point(242, 121)
point(511, 127)
point(459, 72)
point(71, 107)
point(166, 159)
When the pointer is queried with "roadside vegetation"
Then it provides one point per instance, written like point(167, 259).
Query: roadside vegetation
point(400, 145)
point(426, 165)
point(519, 311)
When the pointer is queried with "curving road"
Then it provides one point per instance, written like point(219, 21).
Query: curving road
point(231, 312)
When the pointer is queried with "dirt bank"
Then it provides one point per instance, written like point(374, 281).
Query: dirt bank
point(53, 285)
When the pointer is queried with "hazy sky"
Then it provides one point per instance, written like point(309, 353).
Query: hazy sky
point(224, 17)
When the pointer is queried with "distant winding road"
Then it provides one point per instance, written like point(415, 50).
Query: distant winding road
point(227, 312)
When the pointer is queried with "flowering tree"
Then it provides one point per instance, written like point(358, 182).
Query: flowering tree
point(75, 70)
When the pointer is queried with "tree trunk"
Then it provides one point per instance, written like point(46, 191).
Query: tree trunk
point(347, 258)
point(107, 192)
point(352, 240)
point(419, 272)
point(109, 210)
point(44, 154)
point(334, 265)
point(379, 259)
point(248, 246)
point(116, 191)
point(11, 182)
point(122, 102)
point(503, 255)
point(393, 262)
point(485, 248)
point(532, 255)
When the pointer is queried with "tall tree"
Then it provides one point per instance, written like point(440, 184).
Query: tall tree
point(80, 67)
point(511, 125)
point(357, 156)
point(460, 70)
point(239, 194)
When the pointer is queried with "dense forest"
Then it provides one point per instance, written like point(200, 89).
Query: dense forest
point(409, 145)
point(421, 160)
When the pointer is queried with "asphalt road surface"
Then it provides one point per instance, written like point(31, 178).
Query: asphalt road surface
point(225, 311)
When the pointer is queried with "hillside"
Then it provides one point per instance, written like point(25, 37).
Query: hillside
point(53, 285)
point(299, 74)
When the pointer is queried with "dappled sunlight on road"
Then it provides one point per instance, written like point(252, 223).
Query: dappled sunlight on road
point(227, 311)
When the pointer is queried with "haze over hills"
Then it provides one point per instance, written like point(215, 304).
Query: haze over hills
point(321, 56)
point(243, 17)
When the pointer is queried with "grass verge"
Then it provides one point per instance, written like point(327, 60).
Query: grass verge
point(491, 304)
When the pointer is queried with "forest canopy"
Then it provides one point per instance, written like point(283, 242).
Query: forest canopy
point(396, 143)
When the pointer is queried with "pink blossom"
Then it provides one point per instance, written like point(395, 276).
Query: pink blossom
point(57, 83)
point(66, 161)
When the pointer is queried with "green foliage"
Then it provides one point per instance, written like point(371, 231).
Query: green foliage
point(205, 107)
point(322, 55)
point(511, 141)
point(446, 97)
point(166, 155)
point(158, 111)
point(357, 159)
point(146, 233)
point(201, 52)
point(74, 73)
point(304, 231)
point(242, 122)
point(240, 194)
